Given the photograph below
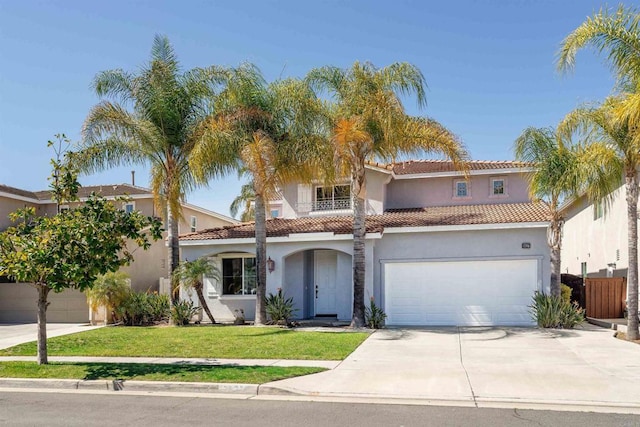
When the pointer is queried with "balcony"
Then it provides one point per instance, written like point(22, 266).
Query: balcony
point(331, 204)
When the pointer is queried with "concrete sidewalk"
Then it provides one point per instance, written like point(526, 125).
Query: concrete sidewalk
point(582, 367)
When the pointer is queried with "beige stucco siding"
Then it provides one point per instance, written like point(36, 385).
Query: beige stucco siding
point(8, 206)
point(424, 192)
point(598, 242)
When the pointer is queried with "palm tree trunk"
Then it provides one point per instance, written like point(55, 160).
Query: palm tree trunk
point(359, 230)
point(631, 181)
point(174, 246)
point(555, 244)
point(261, 261)
point(43, 291)
point(203, 303)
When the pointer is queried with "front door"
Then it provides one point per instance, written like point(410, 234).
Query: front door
point(325, 283)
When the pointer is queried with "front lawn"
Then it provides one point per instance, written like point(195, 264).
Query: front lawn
point(152, 372)
point(221, 342)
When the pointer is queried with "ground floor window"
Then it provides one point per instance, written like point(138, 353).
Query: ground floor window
point(239, 276)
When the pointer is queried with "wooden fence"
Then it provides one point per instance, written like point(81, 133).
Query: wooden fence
point(605, 297)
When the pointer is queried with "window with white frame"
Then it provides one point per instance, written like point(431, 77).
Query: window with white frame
point(332, 198)
point(129, 207)
point(461, 188)
point(275, 213)
point(239, 276)
point(498, 187)
point(193, 223)
point(63, 208)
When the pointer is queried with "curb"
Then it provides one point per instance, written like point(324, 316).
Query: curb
point(119, 385)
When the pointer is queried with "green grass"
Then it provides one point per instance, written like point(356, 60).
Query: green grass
point(223, 342)
point(153, 372)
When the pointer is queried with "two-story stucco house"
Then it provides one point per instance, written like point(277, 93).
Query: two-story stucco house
point(440, 250)
point(17, 302)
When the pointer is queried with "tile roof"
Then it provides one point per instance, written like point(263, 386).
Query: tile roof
point(102, 190)
point(17, 191)
point(434, 166)
point(418, 217)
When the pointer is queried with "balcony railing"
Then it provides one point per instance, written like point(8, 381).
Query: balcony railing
point(326, 205)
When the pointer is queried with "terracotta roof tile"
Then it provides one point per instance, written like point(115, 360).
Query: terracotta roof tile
point(434, 166)
point(418, 217)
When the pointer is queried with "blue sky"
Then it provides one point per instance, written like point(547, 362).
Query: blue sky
point(490, 65)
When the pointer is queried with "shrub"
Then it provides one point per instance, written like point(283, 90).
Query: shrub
point(279, 308)
point(182, 312)
point(109, 290)
point(374, 316)
point(565, 292)
point(143, 308)
point(555, 312)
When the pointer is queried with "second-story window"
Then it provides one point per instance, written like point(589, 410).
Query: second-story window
point(332, 198)
point(498, 187)
point(193, 224)
point(461, 188)
point(275, 213)
point(129, 207)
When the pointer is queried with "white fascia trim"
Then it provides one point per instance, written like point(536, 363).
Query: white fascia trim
point(378, 168)
point(458, 173)
point(301, 237)
point(469, 227)
point(21, 198)
point(211, 213)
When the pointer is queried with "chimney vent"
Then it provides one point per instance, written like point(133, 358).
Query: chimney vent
point(133, 178)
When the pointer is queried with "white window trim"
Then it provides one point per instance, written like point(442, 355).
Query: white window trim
point(455, 189)
point(132, 203)
point(504, 186)
point(193, 223)
point(333, 197)
point(277, 211)
point(63, 208)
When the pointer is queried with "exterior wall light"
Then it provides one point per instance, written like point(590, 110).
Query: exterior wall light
point(271, 265)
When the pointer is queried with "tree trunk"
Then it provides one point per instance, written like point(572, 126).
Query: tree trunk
point(359, 230)
point(555, 236)
point(43, 291)
point(203, 303)
point(631, 181)
point(173, 247)
point(261, 261)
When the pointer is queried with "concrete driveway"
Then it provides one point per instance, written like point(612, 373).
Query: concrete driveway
point(13, 334)
point(480, 366)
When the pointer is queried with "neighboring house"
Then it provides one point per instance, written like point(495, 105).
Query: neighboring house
point(440, 250)
point(16, 304)
point(595, 243)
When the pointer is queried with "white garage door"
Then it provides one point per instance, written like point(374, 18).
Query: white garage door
point(463, 293)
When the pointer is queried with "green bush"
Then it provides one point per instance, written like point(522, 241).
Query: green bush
point(374, 316)
point(279, 308)
point(109, 290)
point(555, 312)
point(182, 312)
point(143, 308)
point(565, 292)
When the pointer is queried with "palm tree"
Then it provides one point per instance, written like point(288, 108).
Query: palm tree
point(618, 35)
point(245, 199)
point(271, 132)
point(164, 123)
point(191, 275)
point(369, 122)
point(612, 152)
point(554, 180)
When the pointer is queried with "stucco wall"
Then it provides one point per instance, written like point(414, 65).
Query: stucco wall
point(423, 192)
point(288, 274)
point(8, 206)
point(597, 242)
point(484, 244)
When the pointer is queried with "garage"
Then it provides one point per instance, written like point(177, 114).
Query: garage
point(460, 292)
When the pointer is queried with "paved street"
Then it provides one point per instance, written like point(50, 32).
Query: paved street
point(28, 409)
